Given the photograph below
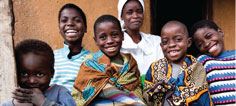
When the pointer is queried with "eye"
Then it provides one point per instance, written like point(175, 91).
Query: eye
point(115, 34)
point(39, 74)
point(77, 20)
point(208, 36)
point(178, 39)
point(129, 12)
point(164, 41)
point(63, 20)
point(102, 37)
point(24, 74)
point(140, 11)
point(199, 44)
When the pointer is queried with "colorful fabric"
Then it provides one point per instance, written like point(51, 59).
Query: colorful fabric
point(142, 52)
point(221, 77)
point(189, 88)
point(67, 69)
point(97, 71)
point(112, 96)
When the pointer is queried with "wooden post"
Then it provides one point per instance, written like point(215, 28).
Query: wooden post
point(7, 64)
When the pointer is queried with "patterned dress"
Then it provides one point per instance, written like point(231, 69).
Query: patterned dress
point(221, 77)
point(101, 82)
point(189, 88)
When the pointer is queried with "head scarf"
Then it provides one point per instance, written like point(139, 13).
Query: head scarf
point(120, 6)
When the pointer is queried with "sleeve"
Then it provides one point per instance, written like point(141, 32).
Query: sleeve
point(8, 103)
point(148, 85)
point(64, 99)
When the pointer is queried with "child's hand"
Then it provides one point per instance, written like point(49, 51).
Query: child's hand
point(34, 96)
point(22, 95)
point(37, 97)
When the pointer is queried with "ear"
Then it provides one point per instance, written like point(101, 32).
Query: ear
point(221, 32)
point(95, 39)
point(161, 45)
point(189, 41)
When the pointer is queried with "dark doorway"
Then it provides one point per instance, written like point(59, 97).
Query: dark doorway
point(186, 11)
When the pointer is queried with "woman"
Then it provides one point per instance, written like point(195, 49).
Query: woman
point(145, 48)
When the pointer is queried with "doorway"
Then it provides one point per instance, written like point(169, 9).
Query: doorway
point(186, 11)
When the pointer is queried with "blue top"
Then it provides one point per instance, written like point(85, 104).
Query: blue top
point(55, 96)
point(66, 69)
point(221, 77)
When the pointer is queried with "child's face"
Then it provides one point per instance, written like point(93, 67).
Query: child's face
point(174, 43)
point(35, 71)
point(109, 39)
point(71, 26)
point(209, 41)
point(132, 15)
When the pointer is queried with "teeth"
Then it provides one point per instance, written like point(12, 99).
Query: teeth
point(212, 49)
point(111, 48)
point(71, 31)
point(173, 53)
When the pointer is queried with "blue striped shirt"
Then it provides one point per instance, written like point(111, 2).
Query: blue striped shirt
point(66, 69)
point(221, 77)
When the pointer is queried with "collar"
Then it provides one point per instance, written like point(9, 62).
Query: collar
point(145, 44)
point(66, 51)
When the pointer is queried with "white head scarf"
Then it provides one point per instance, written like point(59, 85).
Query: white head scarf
point(120, 6)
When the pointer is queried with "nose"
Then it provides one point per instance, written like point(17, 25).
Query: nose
point(109, 40)
point(32, 80)
point(206, 44)
point(70, 23)
point(172, 44)
point(135, 14)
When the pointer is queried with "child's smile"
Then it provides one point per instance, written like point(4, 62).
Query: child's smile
point(109, 39)
point(209, 41)
point(71, 33)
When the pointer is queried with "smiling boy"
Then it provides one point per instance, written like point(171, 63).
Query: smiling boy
point(177, 79)
point(108, 77)
point(220, 64)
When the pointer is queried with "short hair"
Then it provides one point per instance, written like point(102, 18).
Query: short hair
point(176, 23)
point(106, 18)
point(202, 24)
point(77, 8)
point(34, 46)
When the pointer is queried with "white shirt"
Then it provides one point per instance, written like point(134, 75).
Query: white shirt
point(147, 51)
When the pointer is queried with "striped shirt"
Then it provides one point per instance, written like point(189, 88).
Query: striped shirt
point(221, 77)
point(66, 69)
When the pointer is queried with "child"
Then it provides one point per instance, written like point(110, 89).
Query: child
point(108, 77)
point(220, 64)
point(72, 26)
point(178, 79)
point(35, 62)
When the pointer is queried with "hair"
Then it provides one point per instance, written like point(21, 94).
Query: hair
point(105, 18)
point(203, 24)
point(177, 23)
point(34, 46)
point(70, 5)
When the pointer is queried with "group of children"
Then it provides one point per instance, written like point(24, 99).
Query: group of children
point(110, 77)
